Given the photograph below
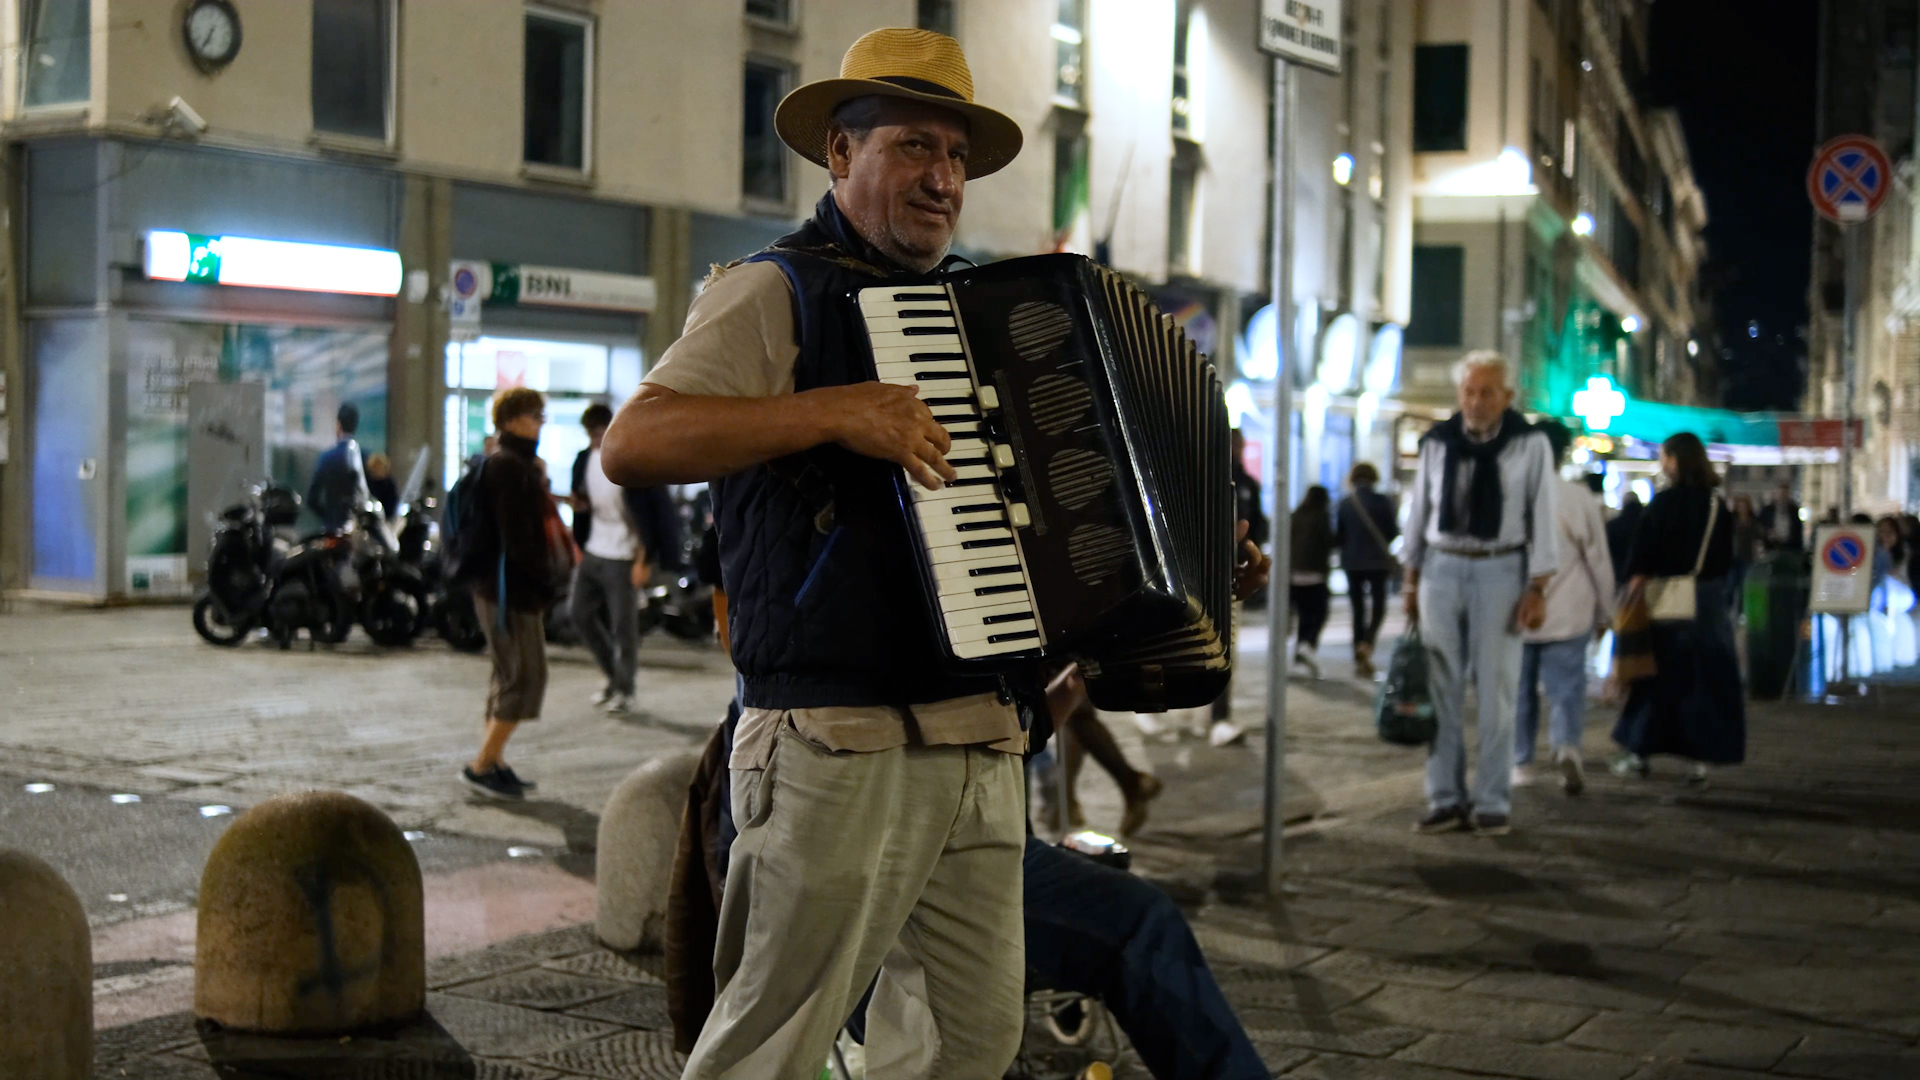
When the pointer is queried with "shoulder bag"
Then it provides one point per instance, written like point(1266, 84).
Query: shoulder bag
point(1379, 537)
point(1671, 599)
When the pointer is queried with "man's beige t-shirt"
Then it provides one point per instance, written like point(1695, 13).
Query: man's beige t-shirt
point(739, 342)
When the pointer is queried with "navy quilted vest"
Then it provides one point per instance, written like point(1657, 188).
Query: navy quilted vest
point(825, 603)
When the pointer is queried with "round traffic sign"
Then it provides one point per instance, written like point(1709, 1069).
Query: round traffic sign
point(1849, 179)
point(1844, 554)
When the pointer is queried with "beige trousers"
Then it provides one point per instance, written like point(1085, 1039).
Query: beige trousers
point(843, 858)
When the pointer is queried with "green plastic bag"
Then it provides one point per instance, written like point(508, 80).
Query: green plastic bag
point(1403, 710)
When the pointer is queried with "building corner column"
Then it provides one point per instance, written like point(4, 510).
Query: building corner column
point(416, 366)
point(669, 249)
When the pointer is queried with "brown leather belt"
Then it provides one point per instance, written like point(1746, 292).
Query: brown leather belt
point(1494, 554)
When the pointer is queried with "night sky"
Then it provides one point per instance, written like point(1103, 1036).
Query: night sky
point(1744, 85)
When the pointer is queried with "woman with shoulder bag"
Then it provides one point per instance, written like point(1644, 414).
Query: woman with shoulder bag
point(1694, 704)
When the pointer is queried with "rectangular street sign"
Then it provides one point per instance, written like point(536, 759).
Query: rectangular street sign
point(1303, 31)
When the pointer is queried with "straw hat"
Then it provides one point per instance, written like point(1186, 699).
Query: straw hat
point(919, 65)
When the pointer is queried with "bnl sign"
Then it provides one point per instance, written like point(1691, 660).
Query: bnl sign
point(1849, 179)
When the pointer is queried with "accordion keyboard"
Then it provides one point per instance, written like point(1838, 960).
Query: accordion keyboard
point(985, 594)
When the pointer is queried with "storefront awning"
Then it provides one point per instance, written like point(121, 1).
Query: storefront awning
point(1608, 411)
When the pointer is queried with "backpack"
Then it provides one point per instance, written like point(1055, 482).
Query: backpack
point(1403, 711)
point(469, 543)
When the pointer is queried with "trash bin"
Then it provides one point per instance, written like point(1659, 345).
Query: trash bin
point(1775, 602)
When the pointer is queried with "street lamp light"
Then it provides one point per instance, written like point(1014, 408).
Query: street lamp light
point(1583, 224)
point(1630, 324)
point(1343, 169)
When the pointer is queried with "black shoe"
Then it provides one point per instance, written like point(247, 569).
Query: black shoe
point(527, 785)
point(1491, 824)
point(495, 783)
point(1445, 819)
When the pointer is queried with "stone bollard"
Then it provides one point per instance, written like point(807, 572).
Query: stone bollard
point(311, 920)
point(46, 974)
point(639, 830)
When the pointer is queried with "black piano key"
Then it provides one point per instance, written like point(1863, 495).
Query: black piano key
point(990, 571)
point(1016, 616)
point(976, 526)
point(940, 376)
point(976, 481)
point(928, 331)
point(977, 508)
point(967, 545)
point(1017, 635)
point(995, 590)
point(904, 297)
point(933, 357)
point(934, 403)
point(923, 313)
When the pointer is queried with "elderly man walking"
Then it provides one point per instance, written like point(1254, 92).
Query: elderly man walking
point(1482, 544)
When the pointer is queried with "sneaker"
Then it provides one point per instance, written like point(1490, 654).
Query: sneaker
point(620, 703)
point(495, 783)
point(1491, 824)
point(1363, 662)
point(1573, 774)
point(1630, 765)
point(1521, 776)
point(517, 778)
point(1445, 819)
point(1305, 661)
point(605, 695)
point(1697, 776)
point(1225, 733)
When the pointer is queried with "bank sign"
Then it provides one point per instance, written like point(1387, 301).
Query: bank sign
point(1302, 31)
point(475, 284)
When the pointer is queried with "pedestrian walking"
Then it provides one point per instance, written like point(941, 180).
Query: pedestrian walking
point(1553, 668)
point(1693, 706)
point(1482, 543)
point(1364, 525)
point(1780, 524)
point(878, 794)
point(1620, 530)
point(605, 601)
point(340, 476)
point(1081, 733)
point(1312, 554)
point(512, 585)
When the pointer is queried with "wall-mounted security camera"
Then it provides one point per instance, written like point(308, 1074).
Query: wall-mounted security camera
point(182, 117)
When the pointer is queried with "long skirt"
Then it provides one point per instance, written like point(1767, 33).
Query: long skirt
point(1694, 706)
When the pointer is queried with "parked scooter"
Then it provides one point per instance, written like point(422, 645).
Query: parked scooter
point(391, 598)
point(244, 564)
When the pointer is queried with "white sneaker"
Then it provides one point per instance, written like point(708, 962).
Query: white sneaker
point(1521, 776)
point(1306, 662)
point(620, 703)
point(1573, 773)
point(605, 695)
point(1225, 733)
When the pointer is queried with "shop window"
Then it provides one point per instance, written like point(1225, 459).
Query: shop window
point(1072, 223)
point(1183, 194)
point(1070, 53)
point(773, 11)
point(1438, 295)
point(352, 66)
point(59, 51)
point(935, 15)
point(572, 374)
point(763, 158)
point(559, 81)
point(1440, 97)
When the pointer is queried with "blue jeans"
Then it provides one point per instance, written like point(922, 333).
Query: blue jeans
point(1099, 931)
point(1466, 624)
point(1557, 671)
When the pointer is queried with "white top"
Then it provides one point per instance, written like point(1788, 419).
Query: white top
point(611, 536)
point(1527, 483)
point(1580, 596)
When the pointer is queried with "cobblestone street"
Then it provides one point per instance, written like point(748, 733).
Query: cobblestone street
point(1768, 925)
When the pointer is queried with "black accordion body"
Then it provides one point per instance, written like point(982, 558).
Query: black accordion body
point(1094, 515)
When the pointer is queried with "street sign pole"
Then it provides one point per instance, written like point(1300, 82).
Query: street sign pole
point(1293, 32)
point(1279, 471)
point(1848, 181)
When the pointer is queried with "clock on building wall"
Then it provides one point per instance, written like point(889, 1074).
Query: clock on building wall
point(212, 32)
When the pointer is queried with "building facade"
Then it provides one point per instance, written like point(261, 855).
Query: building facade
point(1557, 218)
point(405, 204)
point(1867, 86)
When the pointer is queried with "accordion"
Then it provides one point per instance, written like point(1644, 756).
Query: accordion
point(1093, 517)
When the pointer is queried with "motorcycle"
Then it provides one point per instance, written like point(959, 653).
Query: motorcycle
point(391, 598)
point(244, 565)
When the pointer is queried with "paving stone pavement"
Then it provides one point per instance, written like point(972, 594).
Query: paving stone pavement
point(1767, 925)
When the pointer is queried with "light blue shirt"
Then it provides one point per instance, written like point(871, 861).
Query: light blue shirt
point(1527, 519)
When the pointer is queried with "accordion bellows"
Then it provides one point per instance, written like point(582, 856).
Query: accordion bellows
point(1093, 518)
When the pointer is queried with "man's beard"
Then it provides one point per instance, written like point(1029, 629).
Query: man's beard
point(897, 248)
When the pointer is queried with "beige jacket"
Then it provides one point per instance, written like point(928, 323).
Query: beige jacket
point(1580, 594)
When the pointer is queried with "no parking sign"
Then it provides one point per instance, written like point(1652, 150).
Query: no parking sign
point(1842, 569)
point(1849, 179)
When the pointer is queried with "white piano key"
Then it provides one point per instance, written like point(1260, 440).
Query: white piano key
point(949, 541)
point(989, 398)
point(893, 339)
point(979, 568)
point(970, 600)
point(971, 625)
point(888, 324)
point(1003, 455)
point(980, 650)
point(881, 302)
point(912, 370)
point(944, 388)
